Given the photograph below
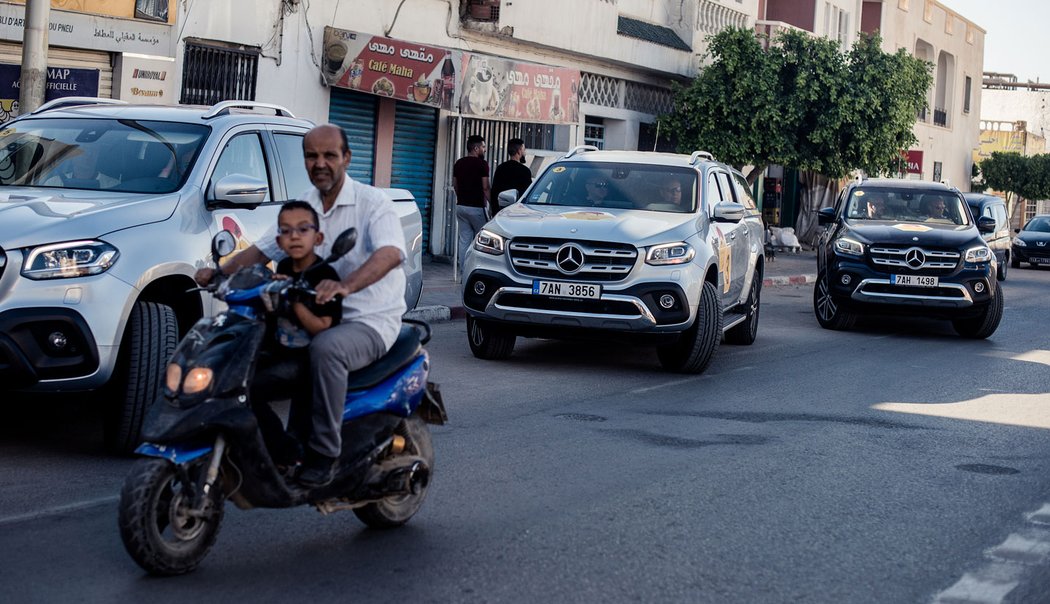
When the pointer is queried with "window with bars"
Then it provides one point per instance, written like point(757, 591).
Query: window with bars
point(213, 73)
point(154, 10)
point(594, 132)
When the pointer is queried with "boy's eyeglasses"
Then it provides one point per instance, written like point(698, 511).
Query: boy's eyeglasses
point(299, 230)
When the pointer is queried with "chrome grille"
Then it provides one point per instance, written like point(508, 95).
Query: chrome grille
point(915, 258)
point(601, 261)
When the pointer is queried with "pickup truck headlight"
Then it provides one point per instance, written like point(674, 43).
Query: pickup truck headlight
point(1020, 242)
point(670, 253)
point(981, 253)
point(71, 259)
point(489, 242)
point(848, 246)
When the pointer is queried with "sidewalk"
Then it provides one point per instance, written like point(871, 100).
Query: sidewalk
point(442, 300)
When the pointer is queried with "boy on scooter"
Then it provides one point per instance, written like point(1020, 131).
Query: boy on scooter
point(284, 363)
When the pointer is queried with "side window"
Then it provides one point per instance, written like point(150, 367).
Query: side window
point(714, 195)
point(987, 211)
point(243, 155)
point(290, 157)
point(743, 192)
point(1000, 217)
point(727, 189)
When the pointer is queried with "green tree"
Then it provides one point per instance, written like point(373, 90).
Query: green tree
point(1017, 175)
point(801, 103)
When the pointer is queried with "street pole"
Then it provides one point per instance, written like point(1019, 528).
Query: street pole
point(33, 81)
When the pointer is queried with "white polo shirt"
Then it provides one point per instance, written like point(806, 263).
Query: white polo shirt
point(372, 213)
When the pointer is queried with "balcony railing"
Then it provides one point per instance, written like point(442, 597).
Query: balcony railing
point(940, 117)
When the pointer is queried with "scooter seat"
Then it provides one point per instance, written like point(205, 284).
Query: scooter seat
point(404, 350)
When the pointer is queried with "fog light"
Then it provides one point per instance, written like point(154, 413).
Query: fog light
point(846, 279)
point(479, 287)
point(667, 301)
point(978, 287)
point(57, 340)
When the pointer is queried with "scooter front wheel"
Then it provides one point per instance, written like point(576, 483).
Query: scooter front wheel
point(159, 526)
point(395, 510)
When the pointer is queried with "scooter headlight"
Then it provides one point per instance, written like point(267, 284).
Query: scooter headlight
point(172, 378)
point(197, 380)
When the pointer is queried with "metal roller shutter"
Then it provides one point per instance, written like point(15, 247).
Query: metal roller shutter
point(11, 53)
point(412, 168)
point(356, 114)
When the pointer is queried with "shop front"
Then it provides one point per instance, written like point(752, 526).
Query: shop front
point(83, 49)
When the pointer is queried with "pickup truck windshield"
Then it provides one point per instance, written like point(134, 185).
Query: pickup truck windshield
point(617, 185)
point(126, 156)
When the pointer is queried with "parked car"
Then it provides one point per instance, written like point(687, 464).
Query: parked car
point(999, 239)
point(653, 247)
point(107, 210)
point(1032, 243)
point(906, 247)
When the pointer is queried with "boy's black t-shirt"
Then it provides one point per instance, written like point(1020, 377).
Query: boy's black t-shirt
point(288, 332)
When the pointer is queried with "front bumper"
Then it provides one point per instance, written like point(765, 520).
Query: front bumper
point(623, 307)
point(958, 293)
point(1032, 254)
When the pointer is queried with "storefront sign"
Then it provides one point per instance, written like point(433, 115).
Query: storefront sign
point(391, 68)
point(61, 82)
point(139, 79)
point(499, 88)
point(95, 32)
point(914, 159)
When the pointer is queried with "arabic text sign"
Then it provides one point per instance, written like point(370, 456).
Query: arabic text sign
point(494, 87)
point(79, 30)
point(387, 67)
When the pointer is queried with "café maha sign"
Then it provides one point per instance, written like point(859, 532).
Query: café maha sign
point(388, 67)
point(494, 87)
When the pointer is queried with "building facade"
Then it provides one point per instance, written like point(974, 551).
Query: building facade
point(121, 49)
point(410, 81)
point(948, 131)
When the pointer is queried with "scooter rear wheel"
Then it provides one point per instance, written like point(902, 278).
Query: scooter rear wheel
point(157, 525)
point(396, 510)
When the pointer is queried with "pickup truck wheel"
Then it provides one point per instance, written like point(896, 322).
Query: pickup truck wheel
point(693, 351)
point(488, 341)
point(830, 313)
point(149, 341)
point(745, 333)
point(1000, 272)
point(986, 323)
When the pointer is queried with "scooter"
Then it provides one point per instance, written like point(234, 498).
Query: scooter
point(204, 445)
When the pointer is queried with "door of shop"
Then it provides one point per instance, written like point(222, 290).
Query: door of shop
point(355, 112)
point(412, 166)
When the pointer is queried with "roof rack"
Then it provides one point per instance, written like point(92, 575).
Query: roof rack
point(224, 107)
point(580, 149)
point(70, 101)
point(700, 155)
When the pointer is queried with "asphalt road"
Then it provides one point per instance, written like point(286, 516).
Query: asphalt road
point(892, 463)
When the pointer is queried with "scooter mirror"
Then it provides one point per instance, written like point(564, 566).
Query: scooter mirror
point(222, 244)
point(343, 244)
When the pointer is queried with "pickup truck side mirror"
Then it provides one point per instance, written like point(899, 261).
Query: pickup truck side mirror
point(238, 190)
point(986, 224)
point(728, 211)
point(825, 215)
point(508, 197)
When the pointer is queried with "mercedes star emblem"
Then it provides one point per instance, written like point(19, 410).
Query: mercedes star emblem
point(569, 258)
point(915, 258)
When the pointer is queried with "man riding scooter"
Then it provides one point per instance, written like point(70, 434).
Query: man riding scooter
point(372, 286)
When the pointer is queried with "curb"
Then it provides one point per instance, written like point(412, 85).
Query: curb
point(788, 280)
point(439, 313)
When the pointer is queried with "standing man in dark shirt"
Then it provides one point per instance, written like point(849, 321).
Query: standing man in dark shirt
point(470, 180)
point(511, 174)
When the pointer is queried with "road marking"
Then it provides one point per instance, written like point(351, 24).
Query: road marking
point(665, 385)
point(1007, 564)
point(62, 509)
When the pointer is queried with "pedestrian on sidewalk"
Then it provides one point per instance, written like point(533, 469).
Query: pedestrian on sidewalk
point(511, 174)
point(470, 180)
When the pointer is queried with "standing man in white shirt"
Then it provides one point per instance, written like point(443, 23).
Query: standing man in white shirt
point(372, 286)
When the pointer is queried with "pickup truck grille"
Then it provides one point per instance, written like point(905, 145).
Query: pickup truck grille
point(915, 258)
point(583, 260)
